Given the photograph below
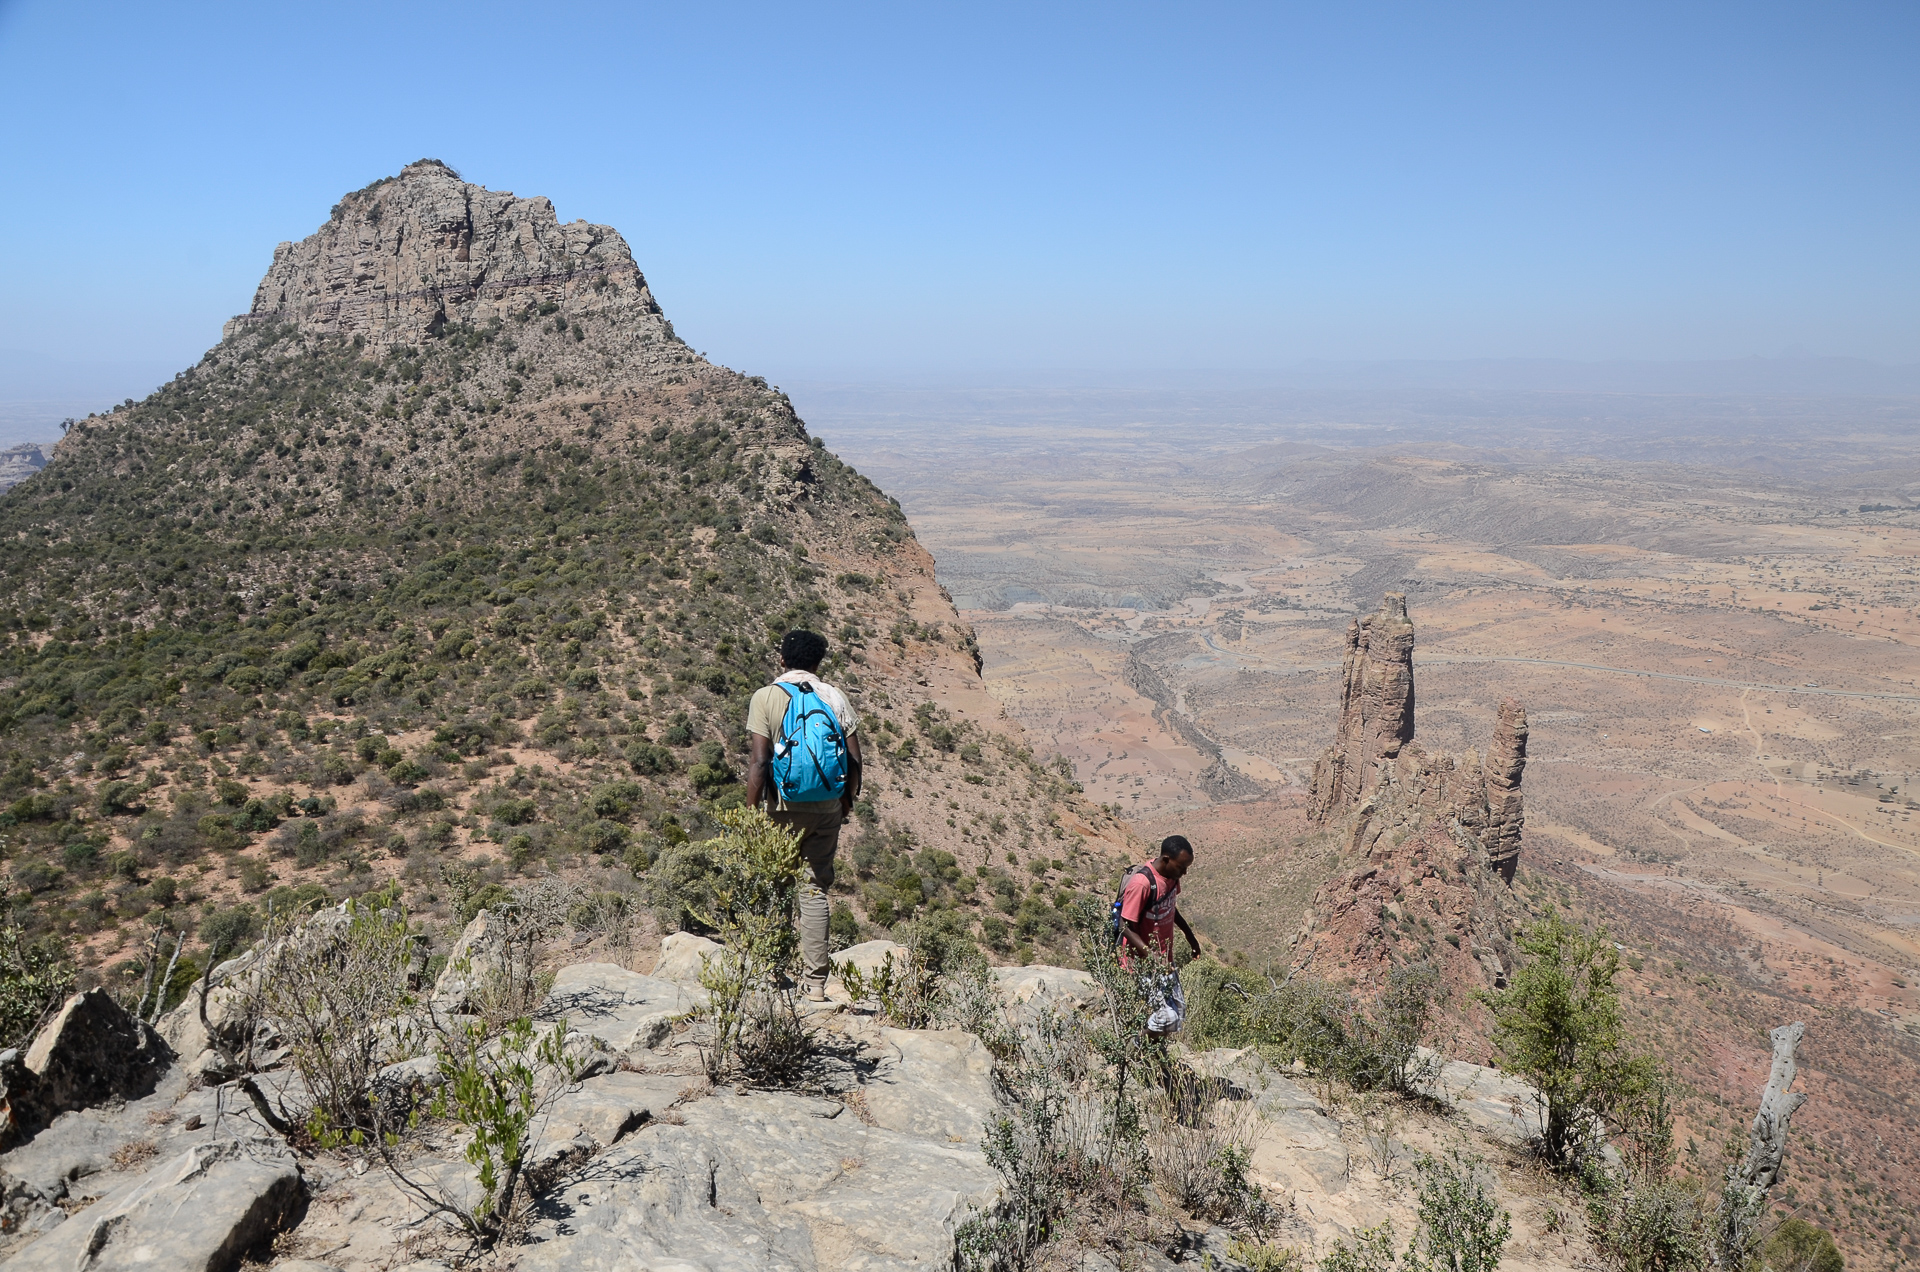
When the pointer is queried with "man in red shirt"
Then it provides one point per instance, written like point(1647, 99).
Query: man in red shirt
point(1148, 916)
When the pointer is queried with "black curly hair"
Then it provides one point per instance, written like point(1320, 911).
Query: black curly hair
point(802, 650)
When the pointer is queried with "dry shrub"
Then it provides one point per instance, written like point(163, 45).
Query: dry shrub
point(134, 1154)
point(1200, 1142)
point(514, 982)
point(334, 989)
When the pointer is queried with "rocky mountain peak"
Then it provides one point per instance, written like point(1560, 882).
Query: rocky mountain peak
point(404, 257)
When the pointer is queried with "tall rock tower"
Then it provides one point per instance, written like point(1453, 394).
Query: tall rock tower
point(1427, 841)
point(1376, 709)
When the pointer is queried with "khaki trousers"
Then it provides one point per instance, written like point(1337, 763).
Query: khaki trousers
point(820, 838)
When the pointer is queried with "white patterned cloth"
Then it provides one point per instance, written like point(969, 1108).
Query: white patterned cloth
point(1169, 1003)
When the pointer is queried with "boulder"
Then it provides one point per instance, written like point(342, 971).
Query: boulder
point(623, 1010)
point(229, 1013)
point(868, 955)
point(196, 1212)
point(764, 1181)
point(936, 1083)
point(479, 954)
point(1028, 990)
point(90, 1052)
point(681, 955)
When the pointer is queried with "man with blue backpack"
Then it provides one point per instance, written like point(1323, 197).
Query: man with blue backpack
point(806, 766)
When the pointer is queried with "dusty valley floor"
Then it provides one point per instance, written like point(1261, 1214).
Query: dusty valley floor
point(1715, 628)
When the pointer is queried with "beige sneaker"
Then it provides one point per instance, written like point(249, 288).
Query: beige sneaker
point(816, 992)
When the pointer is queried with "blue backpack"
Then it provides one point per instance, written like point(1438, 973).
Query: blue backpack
point(810, 758)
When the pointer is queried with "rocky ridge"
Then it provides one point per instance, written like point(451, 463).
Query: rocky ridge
point(641, 1163)
point(400, 259)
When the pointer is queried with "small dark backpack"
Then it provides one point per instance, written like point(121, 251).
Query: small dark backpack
point(1153, 898)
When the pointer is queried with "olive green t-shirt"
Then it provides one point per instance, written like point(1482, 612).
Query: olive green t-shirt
point(769, 707)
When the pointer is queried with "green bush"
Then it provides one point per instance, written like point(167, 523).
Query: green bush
point(1369, 1250)
point(603, 836)
point(1799, 1246)
point(37, 876)
point(755, 873)
point(1558, 1025)
point(120, 799)
point(615, 800)
point(651, 759)
point(35, 976)
point(843, 929)
point(491, 1089)
point(1461, 1227)
point(514, 812)
point(484, 898)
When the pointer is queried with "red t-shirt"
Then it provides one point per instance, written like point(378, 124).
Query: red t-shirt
point(1156, 923)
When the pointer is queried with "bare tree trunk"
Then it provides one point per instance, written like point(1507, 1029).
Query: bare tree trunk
point(160, 999)
point(153, 964)
point(1744, 1198)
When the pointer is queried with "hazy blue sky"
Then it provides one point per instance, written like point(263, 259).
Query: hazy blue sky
point(820, 191)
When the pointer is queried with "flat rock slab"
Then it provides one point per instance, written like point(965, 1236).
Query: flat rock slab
point(90, 1152)
point(611, 1107)
point(197, 1212)
point(1301, 1147)
point(869, 955)
point(1250, 1075)
point(935, 1083)
point(763, 1183)
point(623, 1009)
point(1492, 1102)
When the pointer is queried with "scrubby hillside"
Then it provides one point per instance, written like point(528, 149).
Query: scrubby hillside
point(451, 563)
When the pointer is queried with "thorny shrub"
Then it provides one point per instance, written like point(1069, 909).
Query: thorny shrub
point(1201, 1143)
point(1073, 1133)
point(1462, 1229)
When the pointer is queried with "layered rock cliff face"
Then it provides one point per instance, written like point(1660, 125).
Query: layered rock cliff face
point(1429, 841)
point(1376, 709)
point(398, 261)
point(17, 463)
